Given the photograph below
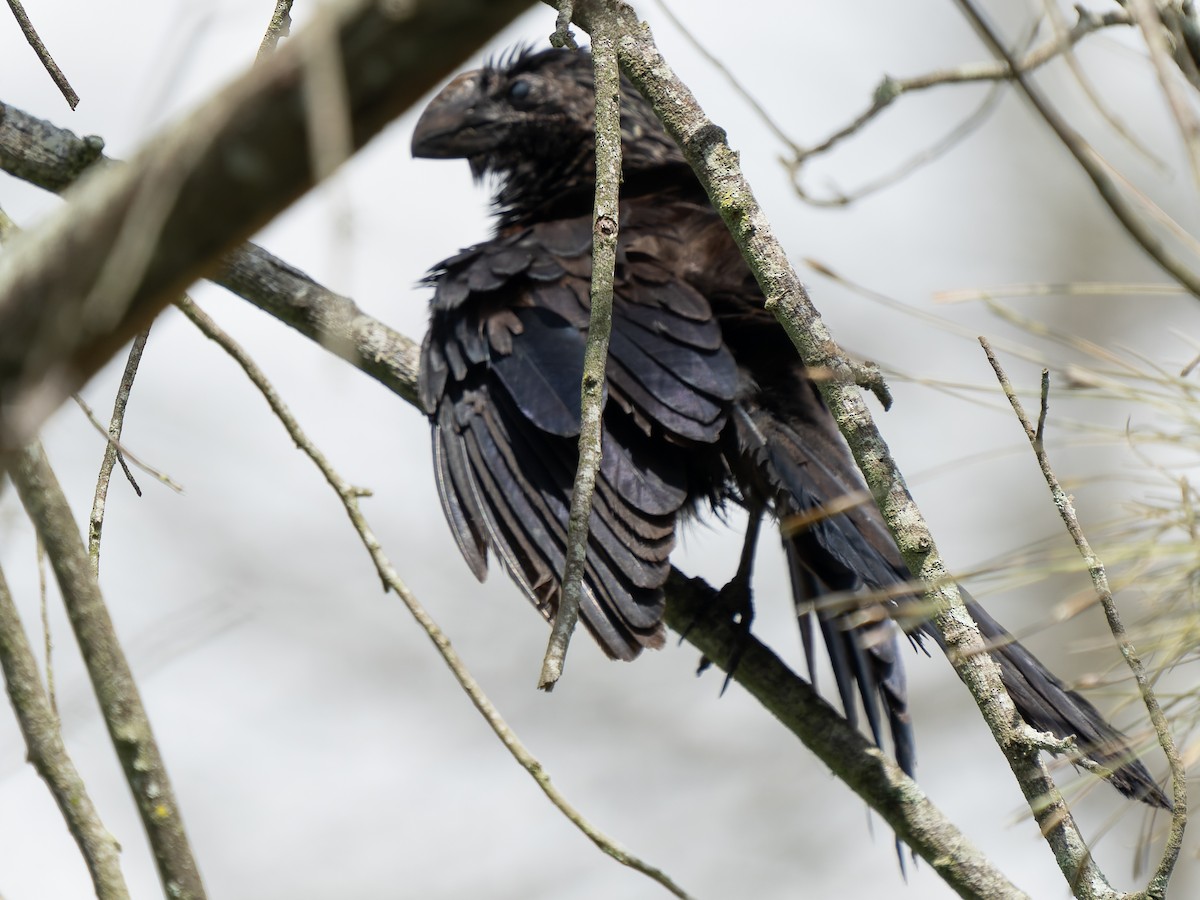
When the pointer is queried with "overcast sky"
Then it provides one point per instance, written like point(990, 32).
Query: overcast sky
point(317, 745)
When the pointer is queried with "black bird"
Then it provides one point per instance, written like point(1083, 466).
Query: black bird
point(707, 401)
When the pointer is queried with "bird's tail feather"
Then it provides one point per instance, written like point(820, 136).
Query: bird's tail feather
point(1048, 705)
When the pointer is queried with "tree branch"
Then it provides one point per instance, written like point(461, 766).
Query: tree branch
point(349, 496)
point(46, 751)
point(111, 452)
point(137, 236)
point(336, 323)
point(717, 166)
point(595, 355)
point(48, 63)
point(128, 726)
point(1066, 508)
point(279, 27)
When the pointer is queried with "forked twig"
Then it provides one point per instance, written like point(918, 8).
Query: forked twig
point(1066, 508)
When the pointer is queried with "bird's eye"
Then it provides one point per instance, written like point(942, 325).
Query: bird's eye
point(519, 91)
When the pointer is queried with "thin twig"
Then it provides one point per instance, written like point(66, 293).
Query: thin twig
point(124, 715)
point(595, 355)
point(124, 451)
point(349, 495)
point(1088, 160)
point(111, 451)
point(719, 170)
point(891, 89)
point(59, 323)
point(48, 755)
point(31, 35)
point(279, 27)
point(1066, 508)
point(1146, 15)
point(1039, 434)
point(47, 634)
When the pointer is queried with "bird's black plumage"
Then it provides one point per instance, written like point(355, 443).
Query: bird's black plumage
point(707, 400)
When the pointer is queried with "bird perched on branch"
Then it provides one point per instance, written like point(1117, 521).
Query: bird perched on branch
point(707, 402)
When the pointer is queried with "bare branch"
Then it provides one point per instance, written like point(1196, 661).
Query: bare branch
point(279, 27)
point(1066, 508)
point(31, 35)
point(719, 170)
point(1088, 160)
point(140, 234)
point(866, 769)
point(595, 354)
point(128, 726)
point(111, 451)
point(48, 755)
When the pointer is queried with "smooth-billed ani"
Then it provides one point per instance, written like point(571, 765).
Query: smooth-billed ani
point(707, 400)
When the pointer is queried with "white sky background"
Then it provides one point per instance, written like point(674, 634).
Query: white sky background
point(317, 745)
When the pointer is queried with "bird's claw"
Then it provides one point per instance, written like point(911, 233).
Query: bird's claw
point(735, 605)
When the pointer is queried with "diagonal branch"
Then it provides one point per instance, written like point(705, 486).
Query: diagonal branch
point(1066, 508)
point(112, 681)
point(716, 164)
point(48, 63)
point(137, 236)
point(349, 496)
point(48, 755)
point(1088, 159)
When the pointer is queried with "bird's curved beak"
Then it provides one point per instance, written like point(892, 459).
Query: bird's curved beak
point(450, 127)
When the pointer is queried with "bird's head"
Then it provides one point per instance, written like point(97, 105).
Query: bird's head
point(528, 119)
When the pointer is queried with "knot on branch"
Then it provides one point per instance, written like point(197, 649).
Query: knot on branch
point(606, 226)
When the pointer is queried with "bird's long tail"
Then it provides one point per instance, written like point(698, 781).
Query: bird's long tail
point(1048, 705)
point(848, 553)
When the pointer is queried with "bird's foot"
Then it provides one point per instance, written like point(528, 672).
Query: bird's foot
point(735, 604)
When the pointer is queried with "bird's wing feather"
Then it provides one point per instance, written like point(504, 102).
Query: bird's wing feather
point(501, 376)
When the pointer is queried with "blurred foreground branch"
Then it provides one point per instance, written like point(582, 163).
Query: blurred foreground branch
point(136, 236)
